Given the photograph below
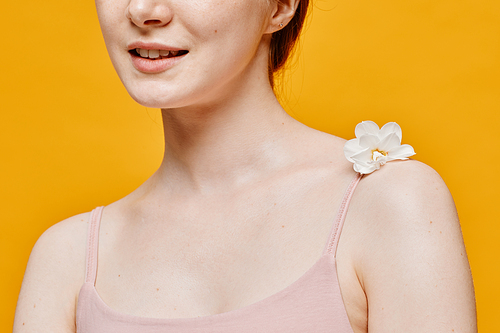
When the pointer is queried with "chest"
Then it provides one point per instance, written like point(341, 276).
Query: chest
point(212, 257)
point(196, 270)
point(312, 303)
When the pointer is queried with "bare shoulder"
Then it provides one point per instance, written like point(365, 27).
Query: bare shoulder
point(62, 243)
point(409, 199)
point(407, 185)
point(53, 277)
point(412, 263)
point(322, 149)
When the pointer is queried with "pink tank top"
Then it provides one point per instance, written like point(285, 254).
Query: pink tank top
point(312, 303)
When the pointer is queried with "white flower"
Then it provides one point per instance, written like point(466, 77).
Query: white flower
point(373, 147)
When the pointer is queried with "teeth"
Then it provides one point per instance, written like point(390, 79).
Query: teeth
point(144, 53)
point(155, 54)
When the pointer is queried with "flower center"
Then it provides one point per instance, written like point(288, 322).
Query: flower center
point(376, 154)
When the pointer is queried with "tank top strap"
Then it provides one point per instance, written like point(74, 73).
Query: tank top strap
point(93, 245)
point(333, 239)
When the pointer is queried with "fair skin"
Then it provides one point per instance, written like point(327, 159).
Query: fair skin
point(243, 201)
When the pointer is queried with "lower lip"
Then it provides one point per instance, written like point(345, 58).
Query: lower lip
point(147, 65)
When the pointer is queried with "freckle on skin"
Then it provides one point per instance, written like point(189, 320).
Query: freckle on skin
point(157, 289)
point(282, 226)
point(34, 305)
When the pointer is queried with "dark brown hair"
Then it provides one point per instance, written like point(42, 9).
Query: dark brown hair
point(283, 41)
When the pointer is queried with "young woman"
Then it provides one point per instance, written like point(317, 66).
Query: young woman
point(253, 222)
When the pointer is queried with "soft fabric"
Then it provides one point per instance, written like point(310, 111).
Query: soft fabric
point(312, 303)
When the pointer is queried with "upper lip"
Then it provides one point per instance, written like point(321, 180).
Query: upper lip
point(152, 46)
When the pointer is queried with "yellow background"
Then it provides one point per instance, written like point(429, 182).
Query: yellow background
point(71, 138)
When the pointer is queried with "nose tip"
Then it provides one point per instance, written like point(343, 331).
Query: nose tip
point(148, 13)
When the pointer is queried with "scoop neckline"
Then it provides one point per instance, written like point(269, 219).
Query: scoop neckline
point(223, 315)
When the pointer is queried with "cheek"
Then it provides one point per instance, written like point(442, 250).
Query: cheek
point(231, 29)
point(111, 14)
point(114, 25)
point(226, 17)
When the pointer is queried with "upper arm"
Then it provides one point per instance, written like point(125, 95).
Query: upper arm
point(53, 277)
point(414, 267)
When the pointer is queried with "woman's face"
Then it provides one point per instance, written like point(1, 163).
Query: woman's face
point(174, 53)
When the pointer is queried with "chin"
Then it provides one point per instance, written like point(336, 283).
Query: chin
point(163, 95)
point(150, 102)
point(155, 97)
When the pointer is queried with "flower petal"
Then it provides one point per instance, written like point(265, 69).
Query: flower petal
point(389, 142)
point(374, 147)
point(351, 147)
point(369, 141)
point(364, 169)
point(366, 127)
point(389, 128)
point(401, 152)
point(363, 156)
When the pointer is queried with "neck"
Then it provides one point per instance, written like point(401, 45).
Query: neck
point(237, 135)
point(224, 143)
